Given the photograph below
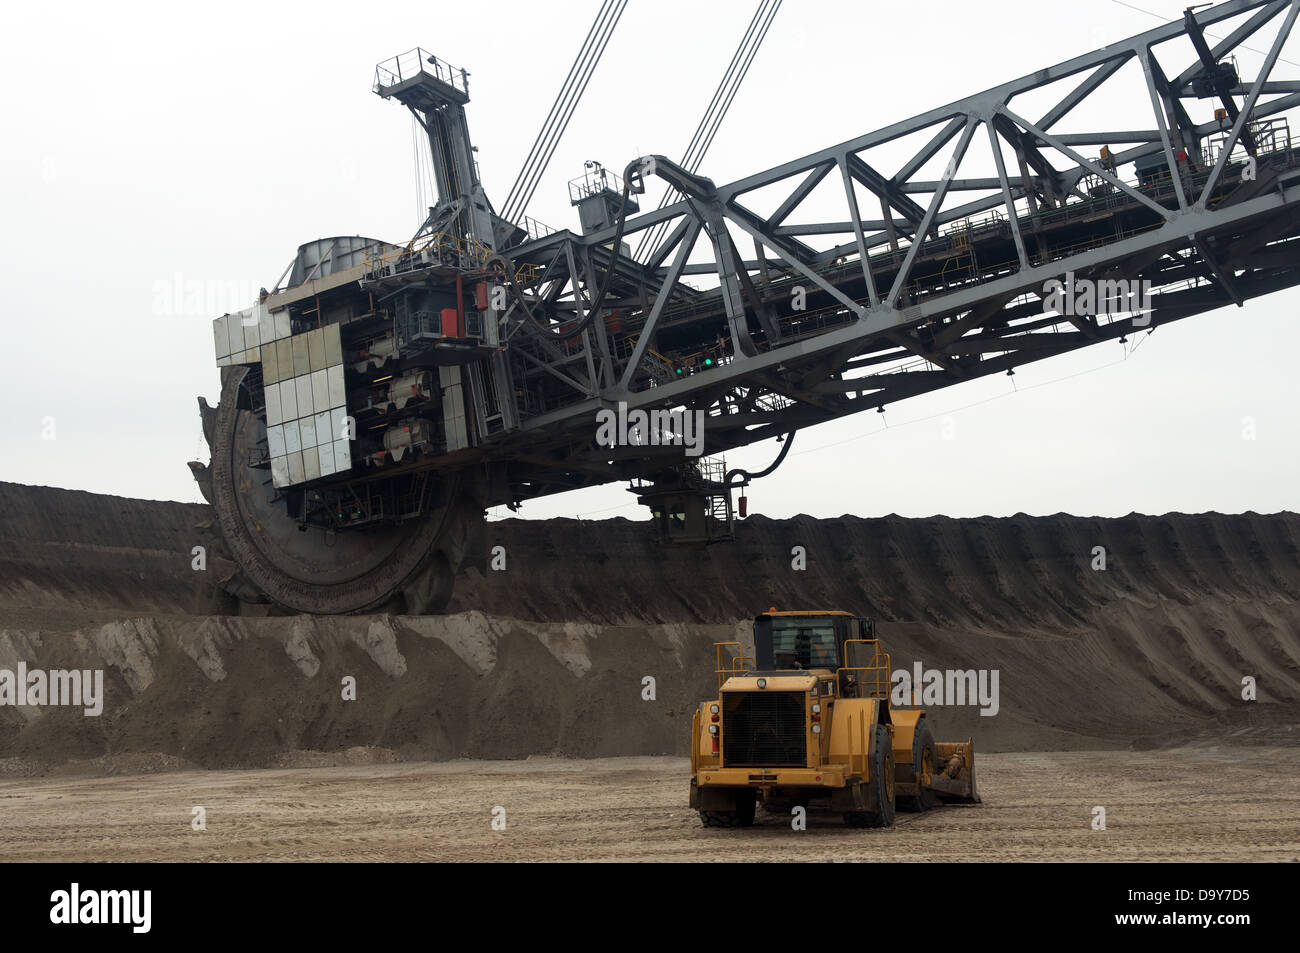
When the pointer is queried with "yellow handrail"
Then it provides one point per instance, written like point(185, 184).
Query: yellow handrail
point(880, 681)
point(737, 664)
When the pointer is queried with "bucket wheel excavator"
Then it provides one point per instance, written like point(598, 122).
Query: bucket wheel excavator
point(382, 396)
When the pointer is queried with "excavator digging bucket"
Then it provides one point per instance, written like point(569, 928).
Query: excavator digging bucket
point(954, 777)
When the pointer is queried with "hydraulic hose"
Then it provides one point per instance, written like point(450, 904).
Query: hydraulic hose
point(746, 476)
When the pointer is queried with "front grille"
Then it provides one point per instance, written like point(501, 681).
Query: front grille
point(763, 729)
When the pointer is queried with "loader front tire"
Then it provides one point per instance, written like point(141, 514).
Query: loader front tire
point(923, 750)
point(882, 785)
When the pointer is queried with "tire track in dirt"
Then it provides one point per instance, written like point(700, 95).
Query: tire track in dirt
point(1185, 804)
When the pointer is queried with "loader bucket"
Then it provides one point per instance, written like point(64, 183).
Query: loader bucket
point(954, 777)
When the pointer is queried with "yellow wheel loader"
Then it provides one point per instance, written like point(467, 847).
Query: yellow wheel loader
point(809, 718)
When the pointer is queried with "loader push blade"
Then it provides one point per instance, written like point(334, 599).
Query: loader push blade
point(954, 779)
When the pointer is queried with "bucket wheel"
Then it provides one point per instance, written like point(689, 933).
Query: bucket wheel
point(404, 567)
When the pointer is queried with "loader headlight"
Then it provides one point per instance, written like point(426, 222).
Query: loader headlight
point(762, 683)
point(713, 709)
point(817, 708)
point(817, 729)
point(713, 729)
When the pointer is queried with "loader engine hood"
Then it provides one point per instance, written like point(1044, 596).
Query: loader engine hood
point(775, 681)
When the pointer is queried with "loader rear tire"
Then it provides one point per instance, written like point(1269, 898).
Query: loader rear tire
point(923, 747)
point(742, 816)
point(882, 783)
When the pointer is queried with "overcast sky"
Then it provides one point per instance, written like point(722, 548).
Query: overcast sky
point(159, 158)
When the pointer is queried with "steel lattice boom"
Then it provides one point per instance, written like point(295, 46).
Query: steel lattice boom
point(966, 296)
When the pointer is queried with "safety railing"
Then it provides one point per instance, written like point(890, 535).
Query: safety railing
point(596, 180)
point(704, 473)
point(874, 679)
point(535, 229)
point(413, 63)
point(725, 668)
point(1269, 135)
point(442, 248)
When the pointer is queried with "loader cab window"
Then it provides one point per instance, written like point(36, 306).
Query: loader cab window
point(803, 643)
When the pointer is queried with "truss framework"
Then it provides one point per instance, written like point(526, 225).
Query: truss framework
point(891, 318)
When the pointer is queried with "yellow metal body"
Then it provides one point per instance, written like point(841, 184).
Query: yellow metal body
point(839, 751)
point(842, 709)
point(904, 721)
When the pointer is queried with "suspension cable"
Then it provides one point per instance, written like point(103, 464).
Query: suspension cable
point(522, 200)
point(420, 210)
point(550, 116)
point(717, 109)
point(557, 120)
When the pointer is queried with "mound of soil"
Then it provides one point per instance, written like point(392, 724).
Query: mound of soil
point(550, 655)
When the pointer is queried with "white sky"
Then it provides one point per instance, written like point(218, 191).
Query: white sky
point(151, 150)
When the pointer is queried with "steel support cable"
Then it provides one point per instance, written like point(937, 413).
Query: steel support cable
point(735, 88)
point(449, 169)
point(709, 131)
point(420, 210)
point(562, 111)
point(523, 201)
point(717, 109)
point(426, 172)
point(746, 476)
point(726, 92)
point(653, 236)
point(510, 196)
point(726, 76)
point(722, 100)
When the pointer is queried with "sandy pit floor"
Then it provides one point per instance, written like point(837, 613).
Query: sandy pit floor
point(1189, 804)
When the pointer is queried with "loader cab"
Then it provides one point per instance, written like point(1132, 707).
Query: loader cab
point(805, 640)
point(802, 641)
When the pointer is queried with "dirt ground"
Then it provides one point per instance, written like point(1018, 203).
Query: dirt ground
point(1213, 804)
